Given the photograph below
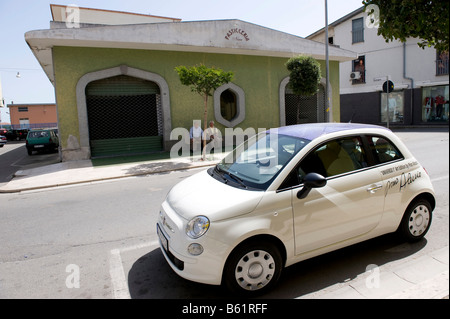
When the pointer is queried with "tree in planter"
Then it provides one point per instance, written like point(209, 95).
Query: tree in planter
point(203, 81)
point(304, 76)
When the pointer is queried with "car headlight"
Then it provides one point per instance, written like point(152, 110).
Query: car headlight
point(197, 227)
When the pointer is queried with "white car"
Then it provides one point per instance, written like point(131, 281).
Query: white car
point(290, 194)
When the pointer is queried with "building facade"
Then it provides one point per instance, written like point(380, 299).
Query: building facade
point(33, 116)
point(117, 90)
point(420, 76)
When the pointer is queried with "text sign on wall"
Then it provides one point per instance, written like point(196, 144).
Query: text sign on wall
point(237, 34)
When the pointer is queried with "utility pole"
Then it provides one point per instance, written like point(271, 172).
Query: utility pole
point(327, 66)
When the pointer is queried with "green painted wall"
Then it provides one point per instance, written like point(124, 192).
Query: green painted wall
point(259, 77)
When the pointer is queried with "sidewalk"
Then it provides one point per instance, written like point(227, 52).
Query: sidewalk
point(78, 172)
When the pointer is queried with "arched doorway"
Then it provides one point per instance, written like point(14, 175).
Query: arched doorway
point(304, 109)
point(124, 116)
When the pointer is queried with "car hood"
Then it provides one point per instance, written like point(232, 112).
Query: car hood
point(201, 194)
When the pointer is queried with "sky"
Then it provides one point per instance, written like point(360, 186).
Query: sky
point(298, 17)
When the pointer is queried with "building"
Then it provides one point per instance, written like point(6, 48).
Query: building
point(117, 90)
point(33, 116)
point(420, 76)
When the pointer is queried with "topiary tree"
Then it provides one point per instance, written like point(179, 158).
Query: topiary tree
point(203, 81)
point(304, 76)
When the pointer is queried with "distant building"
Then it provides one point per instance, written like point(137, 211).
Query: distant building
point(31, 116)
point(420, 76)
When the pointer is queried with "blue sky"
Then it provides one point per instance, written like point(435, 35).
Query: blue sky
point(299, 17)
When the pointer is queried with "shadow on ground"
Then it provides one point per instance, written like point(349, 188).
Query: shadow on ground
point(151, 277)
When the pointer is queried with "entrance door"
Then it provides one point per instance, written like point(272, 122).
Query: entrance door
point(305, 109)
point(124, 116)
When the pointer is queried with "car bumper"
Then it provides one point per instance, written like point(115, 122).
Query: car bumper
point(205, 268)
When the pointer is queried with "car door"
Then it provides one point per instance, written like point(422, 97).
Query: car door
point(350, 205)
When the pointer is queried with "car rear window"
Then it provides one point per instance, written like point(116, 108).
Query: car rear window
point(38, 134)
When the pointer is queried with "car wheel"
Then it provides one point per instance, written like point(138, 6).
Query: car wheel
point(416, 221)
point(253, 269)
point(30, 152)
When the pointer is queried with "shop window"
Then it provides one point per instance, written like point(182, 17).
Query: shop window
point(228, 105)
point(396, 107)
point(435, 104)
point(358, 30)
point(359, 65)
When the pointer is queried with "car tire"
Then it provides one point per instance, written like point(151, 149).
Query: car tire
point(253, 269)
point(416, 221)
point(30, 152)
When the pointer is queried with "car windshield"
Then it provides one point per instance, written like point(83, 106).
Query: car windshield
point(255, 163)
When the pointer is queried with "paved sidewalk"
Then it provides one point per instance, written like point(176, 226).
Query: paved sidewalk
point(78, 172)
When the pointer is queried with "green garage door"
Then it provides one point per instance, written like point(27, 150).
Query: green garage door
point(124, 116)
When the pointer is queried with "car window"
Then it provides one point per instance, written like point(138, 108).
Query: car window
point(335, 157)
point(383, 150)
point(38, 134)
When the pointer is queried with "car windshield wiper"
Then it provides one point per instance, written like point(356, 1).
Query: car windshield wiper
point(237, 179)
point(220, 172)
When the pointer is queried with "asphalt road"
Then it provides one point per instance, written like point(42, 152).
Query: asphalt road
point(99, 240)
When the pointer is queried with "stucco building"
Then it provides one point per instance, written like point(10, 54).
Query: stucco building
point(420, 76)
point(117, 90)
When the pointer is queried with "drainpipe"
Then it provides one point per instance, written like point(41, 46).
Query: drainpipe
point(410, 79)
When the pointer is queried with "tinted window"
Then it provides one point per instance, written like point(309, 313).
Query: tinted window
point(383, 150)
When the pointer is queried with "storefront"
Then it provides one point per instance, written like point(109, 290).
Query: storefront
point(435, 107)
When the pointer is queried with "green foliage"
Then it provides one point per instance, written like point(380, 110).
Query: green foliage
point(305, 75)
point(422, 19)
point(203, 80)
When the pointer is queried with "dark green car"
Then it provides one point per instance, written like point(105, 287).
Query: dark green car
point(42, 140)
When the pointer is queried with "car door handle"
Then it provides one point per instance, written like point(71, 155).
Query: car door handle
point(372, 189)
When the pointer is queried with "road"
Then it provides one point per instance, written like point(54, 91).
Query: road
point(99, 240)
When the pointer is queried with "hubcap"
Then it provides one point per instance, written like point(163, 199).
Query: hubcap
point(255, 270)
point(419, 220)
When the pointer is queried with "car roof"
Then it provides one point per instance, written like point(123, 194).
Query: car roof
point(311, 131)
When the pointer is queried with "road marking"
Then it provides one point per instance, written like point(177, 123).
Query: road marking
point(438, 179)
point(117, 273)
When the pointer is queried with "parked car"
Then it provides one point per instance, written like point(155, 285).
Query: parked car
point(3, 140)
point(42, 140)
point(17, 135)
point(290, 194)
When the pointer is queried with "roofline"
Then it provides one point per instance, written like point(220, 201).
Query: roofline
point(179, 38)
point(112, 11)
point(337, 22)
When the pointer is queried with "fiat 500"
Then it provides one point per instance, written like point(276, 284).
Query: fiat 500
point(290, 194)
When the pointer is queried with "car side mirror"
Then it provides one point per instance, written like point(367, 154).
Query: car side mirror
point(311, 180)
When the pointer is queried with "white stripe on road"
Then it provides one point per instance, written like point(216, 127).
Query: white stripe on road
point(117, 273)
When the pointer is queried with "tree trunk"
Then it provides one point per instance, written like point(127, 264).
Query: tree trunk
point(205, 126)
